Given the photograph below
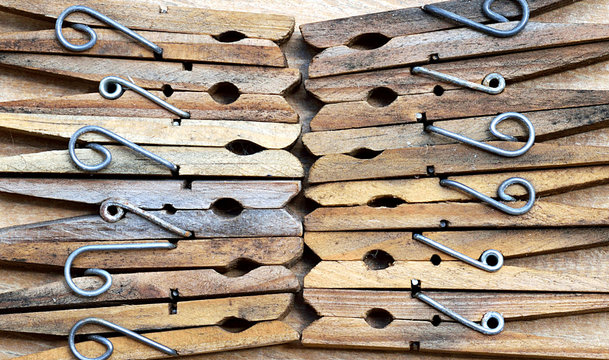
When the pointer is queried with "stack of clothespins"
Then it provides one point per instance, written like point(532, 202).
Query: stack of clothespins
point(162, 160)
point(437, 231)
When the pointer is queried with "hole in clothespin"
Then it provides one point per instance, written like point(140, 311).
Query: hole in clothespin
point(187, 66)
point(224, 92)
point(365, 153)
point(431, 170)
point(415, 346)
point(421, 117)
point(381, 96)
point(388, 201)
point(174, 297)
point(177, 122)
point(415, 287)
point(492, 260)
point(434, 58)
point(235, 324)
point(438, 90)
point(435, 259)
point(229, 36)
point(169, 209)
point(368, 41)
point(436, 320)
point(243, 147)
point(378, 318)
point(444, 223)
point(167, 90)
point(227, 207)
point(239, 267)
point(492, 323)
point(378, 259)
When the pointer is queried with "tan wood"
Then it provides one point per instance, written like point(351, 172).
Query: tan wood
point(546, 182)
point(152, 316)
point(148, 16)
point(549, 124)
point(401, 305)
point(202, 223)
point(185, 342)
point(451, 45)
point(155, 74)
point(15, 278)
point(580, 337)
point(511, 243)
point(155, 285)
point(598, 137)
point(452, 275)
point(148, 194)
point(451, 105)
point(185, 47)
point(201, 161)
point(407, 21)
point(466, 215)
point(594, 196)
point(188, 254)
point(212, 133)
point(515, 68)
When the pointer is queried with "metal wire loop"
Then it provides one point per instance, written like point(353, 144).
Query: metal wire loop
point(107, 343)
point(493, 129)
point(91, 33)
point(486, 8)
point(100, 272)
point(500, 193)
point(106, 153)
point(121, 205)
point(483, 327)
point(483, 263)
point(484, 87)
point(119, 88)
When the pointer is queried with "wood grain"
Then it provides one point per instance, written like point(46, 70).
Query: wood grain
point(153, 74)
point(200, 105)
point(452, 159)
point(452, 104)
point(148, 16)
point(155, 194)
point(185, 342)
point(515, 68)
point(201, 161)
point(150, 131)
point(185, 47)
point(549, 124)
point(155, 285)
point(152, 316)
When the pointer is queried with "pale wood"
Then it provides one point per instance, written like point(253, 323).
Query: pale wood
point(188, 254)
point(155, 74)
point(15, 278)
point(452, 275)
point(598, 137)
point(451, 104)
point(201, 161)
point(185, 47)
point(152, 316)
point(580, 337)
point(148, 194)
point(515, 68)
point(549, 124)
point(202, 223)
point(401, 305)
point(212, 133)
point(546, 182)
point(185, 342)
point(466, 215)
point(27, 209)
point(594, 196)
point(511, 243)
point(147, 16)
point(155, 285)
point(451, 45)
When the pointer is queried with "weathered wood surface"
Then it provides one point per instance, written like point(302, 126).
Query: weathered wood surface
point(549, 124)
point(185, 342)
point(454, 275)
point(152, 316)
point(452, 104)
point(516, 67)
point(578, 336)
point(155, 285)
point(379, 193)
point(200, 105)
point(151, 131)
point(155, 194)
point(452, 159)
point(148, 16)
point(154, 75)
point(400, 246)
point(202, 161)
point(408, 21)
point(451, 45)
point(214, 253)
point(441, 215)
point(185, 47)
point(402, 306)
point(202, 223)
